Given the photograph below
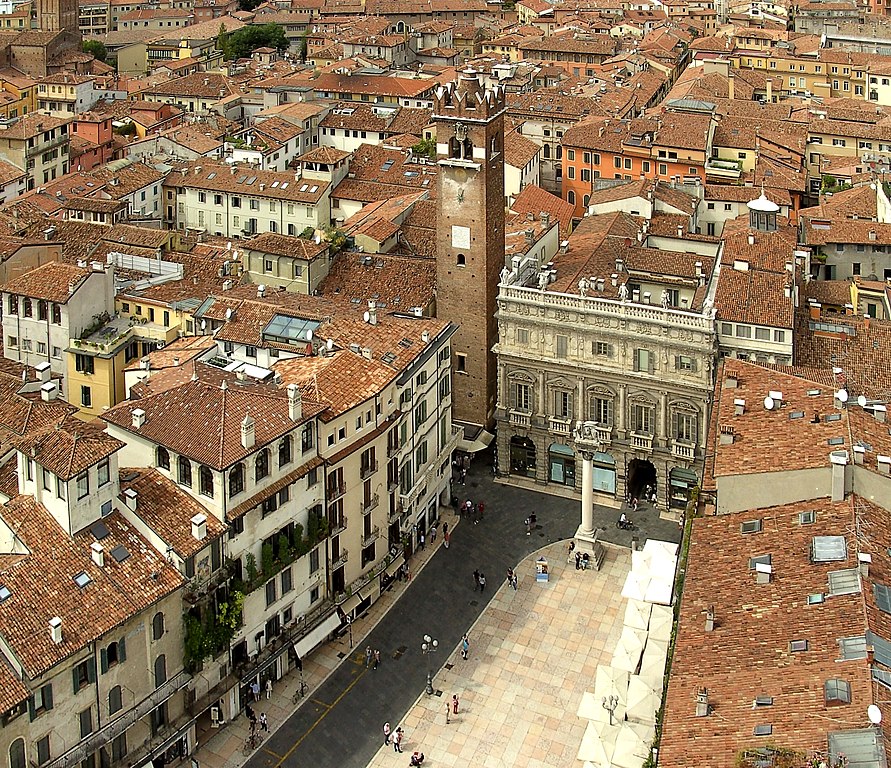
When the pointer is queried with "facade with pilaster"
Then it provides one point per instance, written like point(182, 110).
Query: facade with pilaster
point(640, 374)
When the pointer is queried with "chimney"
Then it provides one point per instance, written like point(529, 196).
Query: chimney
point(838, 461)
point(248, 437)
point(366, 353)
point(726, 435)
point(702, 702)
point(731, 91)
point(884, 464)
point(97, 553)
point(261, 291)
point(769, 91)
point(620, 265)
point(55, 628)
point(545, 219)
point(864, 560)
point(739, 407)
point(138, 418)
point(751, 239)
point(530, 236)
point(680, 232)
point(43, 371)
point(49, 391)
point(710, 619)
point(372, 312)
point(859, 452)
point(295, 403)
point(425, 337)
point(879, 411)
point(130, 499)
point(199, 527)
point(699, 270)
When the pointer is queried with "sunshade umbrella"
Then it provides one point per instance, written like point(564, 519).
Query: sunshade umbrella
point(637, 614)
point(643, 701)
point(661, 620)
point(629, 649)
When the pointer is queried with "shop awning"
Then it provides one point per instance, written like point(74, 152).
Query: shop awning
point(395, 566)
point(562, 450)
point(349, 605)
point(482, 441)
point(682, 476)
point(315, 636)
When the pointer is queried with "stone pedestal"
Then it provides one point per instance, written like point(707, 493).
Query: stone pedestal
point(586, 536)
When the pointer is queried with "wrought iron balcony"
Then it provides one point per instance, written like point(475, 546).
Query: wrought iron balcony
point(338, 526)
point(334, 492)
point(367, 470)
point(369, 504)
point(341, 560)
point(372, 536)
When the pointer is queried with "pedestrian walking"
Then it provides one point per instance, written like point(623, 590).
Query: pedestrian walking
point(481, 506)
point(445, 528)
point(433, 533)
point(268, 689)
point(386, 734)
point(397, 739)
point(255, 689)
point(454, 703)
point(465, 647)
point(377, 658)
point(264, 723)
point(423, 541)
point(463, 476)
point(448, 712)
point(476, 580)
point(467, 461)
point(446, 537)
point(510, 575)
point(482, 582)
point(514, 581)
point(368, 655)
point(249, 711)
point(528, 523)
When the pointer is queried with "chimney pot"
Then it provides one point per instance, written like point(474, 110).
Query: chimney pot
point(295, 403)
point(97, 553)
point(130, 498)
point(138, 418)
point(55, 628)
point(49, 391)
point(199, 527)
point(248, 434)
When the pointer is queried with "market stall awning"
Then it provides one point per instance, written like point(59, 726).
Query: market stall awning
point(395, 566)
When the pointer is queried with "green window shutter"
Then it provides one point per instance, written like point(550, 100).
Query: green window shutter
point(103, 660)
point(122, 650)
point(76, 678)
point(48, 696)
point(31, 712)
point(91, 670)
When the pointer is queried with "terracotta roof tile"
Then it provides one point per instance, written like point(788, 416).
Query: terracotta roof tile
point(54, 281)
point(68, 447)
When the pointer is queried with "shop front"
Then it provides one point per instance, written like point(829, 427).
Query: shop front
point(561, 465)
point(604, 467)
point(681, 481)
point(522, 456)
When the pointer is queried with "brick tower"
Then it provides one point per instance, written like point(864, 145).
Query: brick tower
point(470, 236)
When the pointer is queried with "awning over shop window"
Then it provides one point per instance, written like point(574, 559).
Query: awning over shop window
point(562, 450)
point(349, 605)
point(395, 566)
point(315, 636)
point(683, 477)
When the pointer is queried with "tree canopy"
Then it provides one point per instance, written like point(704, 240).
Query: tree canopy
point(95, 47)
point(240, 43)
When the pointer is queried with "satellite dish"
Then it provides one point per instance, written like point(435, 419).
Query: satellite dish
point(842, 395)
point(874, 714)
point(861, 401)
point(203, 324)
point(329, 344)
point(366, 316)
point(309, 334)
point(768, 403)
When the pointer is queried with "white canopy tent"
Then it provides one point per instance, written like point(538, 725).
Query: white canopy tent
point(629, 649)
point(637, 614)
point(661, 621)
point(643, 701)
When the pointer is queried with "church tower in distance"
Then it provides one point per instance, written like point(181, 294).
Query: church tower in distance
point(469, 121)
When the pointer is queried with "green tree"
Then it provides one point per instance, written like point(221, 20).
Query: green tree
point(223, 39)
point(242, 42)
point(425, 148)
point(248, 5)
point(95, 47)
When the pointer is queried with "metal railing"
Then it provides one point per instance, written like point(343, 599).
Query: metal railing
point(369, 504)
point(367, 470)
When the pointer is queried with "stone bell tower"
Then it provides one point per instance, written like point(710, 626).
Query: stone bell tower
point(469, 122)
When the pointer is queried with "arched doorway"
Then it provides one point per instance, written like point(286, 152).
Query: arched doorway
point(522, 456)
point(561, 464)
point(641, 473)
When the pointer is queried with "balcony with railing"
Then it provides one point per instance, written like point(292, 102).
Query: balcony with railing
point(371, 537)
point(337, 525)
point(683, 449)
point(604, 433)
point(367, 470)
point(559, 426)
point(335, 491)
point(370, 503)
point(641, 441)
point(395, 514)
point(339, 561)
point(520, 418)
point(393, 449)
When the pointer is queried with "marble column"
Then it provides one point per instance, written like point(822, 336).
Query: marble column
point(587, 526)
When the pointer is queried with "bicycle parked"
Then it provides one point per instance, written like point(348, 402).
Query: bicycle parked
point(253, 740)
point(302, 688)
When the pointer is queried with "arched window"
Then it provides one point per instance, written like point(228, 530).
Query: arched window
point(185, 471)
point(236, 480)
point(158, 626)
point(585, 200)
point(115, 700)
point(284, 451)
point(559, 151)
point(205, 477)
point(261, 467)
point(160, 670)
point(462, 261)
point(546, 151)
point(455, 148)
point(570, 197)
point(17, 754)
point(162, 458)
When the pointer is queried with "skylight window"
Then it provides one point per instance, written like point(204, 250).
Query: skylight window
point(387, 165)
point(82, 579)
point(120, 553)
point(304, 187)
point(5, 594)
point(99, 530)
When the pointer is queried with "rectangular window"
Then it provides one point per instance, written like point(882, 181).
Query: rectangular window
point(643, 360)
point(744, 332)
point(522, 397)
point(562, 405)
point(84, 364)
point(103, 473)
point(562, 346)
point(43, 750)
point(271, 595)
point(86, 723)
point(643, 418)
point(83, 485)
point(602, 410)
point(685, 427)
point(314, 560)
point(287, 583)
point(522, 336)
point(86, 397)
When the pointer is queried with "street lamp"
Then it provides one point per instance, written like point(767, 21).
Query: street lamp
point(349, 623)
point(609, 704)
point(427, 647)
